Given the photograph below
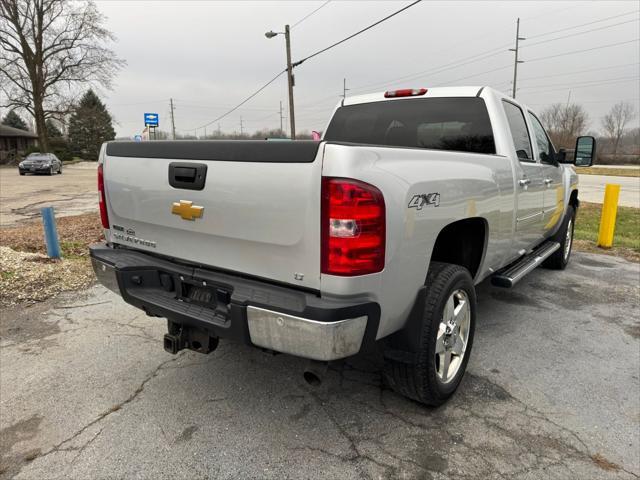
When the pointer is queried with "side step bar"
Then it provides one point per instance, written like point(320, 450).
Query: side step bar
point(515, 272)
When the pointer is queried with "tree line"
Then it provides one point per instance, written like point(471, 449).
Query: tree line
point(617, 136)
point(261, 134)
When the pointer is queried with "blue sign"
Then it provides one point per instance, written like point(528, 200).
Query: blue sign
point(151, 119)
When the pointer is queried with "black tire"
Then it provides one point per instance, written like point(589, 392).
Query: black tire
point(560, 258)
point(418, 379)
point(50, 172)
point(21, 173)
point(60, 170)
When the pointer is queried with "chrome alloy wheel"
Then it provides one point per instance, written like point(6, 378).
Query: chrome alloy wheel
point(453, 336)
point(568, 239)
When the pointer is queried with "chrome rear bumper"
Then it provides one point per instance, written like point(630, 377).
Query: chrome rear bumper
point(304, 337)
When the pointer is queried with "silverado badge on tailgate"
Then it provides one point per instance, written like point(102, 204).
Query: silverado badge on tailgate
point(186, 210)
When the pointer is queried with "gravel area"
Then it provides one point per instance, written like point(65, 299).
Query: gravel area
point(76, 233)
point(32, 277)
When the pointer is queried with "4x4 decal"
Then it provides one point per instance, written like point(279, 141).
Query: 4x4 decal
point(426, 199)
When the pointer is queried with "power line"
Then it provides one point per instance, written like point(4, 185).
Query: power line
point(474, 75)
point(299, 62)
point(209, 107)
point(307, 16)
point(442, 68)
point(572, 87)
point(471, 59)
point(580, 33)
point(590, 101)
point(583, 50)
point(564, 84)
point(240, 104)
point(583, 71)
point(531, 37)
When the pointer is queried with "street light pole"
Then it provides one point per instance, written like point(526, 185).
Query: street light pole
point(290, 78)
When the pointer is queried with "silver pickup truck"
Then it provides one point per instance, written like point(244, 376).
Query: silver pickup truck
point(372, 238)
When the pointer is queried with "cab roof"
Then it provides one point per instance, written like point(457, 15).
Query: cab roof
point(431, 93)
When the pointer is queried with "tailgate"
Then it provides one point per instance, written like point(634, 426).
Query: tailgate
point(257, 211)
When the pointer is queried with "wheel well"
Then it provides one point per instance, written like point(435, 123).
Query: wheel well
point(462, 243)
point(573, 200)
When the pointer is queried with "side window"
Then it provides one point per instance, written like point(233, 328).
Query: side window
point(519, 132)
point(545, 148)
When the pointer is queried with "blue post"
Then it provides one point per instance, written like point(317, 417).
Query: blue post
point(50, 232)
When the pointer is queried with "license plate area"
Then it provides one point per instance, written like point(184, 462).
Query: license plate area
point(214, 297)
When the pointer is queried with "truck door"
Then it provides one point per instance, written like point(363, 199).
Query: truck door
point(553, 207)
point(529, 183)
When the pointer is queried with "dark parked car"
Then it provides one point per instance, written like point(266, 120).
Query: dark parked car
point(40, 163)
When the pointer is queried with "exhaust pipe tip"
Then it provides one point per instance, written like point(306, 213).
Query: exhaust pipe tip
point(312, 378)
point(315, 372)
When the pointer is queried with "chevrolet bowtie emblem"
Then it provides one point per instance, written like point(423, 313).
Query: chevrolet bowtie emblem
point(186, 210)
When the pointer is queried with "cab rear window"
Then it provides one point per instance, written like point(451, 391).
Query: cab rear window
point(452, 123)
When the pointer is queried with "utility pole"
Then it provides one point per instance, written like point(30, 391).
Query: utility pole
point(241, 130)
point(173, 122)
point(344, 88)
point(205, 133)
point(516, 62)
point(290, 78)
point(219, 131)
point(291, 81)
point(281, 118)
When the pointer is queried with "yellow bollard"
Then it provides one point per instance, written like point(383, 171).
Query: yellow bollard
point(608, 218)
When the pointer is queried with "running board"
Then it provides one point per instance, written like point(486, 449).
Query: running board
point(515, 272)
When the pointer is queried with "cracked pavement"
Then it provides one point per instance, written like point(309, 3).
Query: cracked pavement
point(72, 193)
point(552, 391)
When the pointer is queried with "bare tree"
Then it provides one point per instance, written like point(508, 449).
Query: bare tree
point(46, 48)
point(565, 122)
point(615, 122)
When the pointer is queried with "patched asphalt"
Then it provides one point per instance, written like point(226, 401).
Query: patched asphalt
point(552, 391)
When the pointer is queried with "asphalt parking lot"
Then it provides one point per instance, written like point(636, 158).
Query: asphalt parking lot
point(552, 391)
point(72, 193)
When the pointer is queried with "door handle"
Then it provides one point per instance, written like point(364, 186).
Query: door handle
point(548, 181)
point(524, 182)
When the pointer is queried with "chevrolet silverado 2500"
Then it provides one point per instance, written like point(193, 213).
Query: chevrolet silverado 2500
point(373, 237)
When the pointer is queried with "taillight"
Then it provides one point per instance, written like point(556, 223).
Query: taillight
point(353, 227)
point(101, 199)
point(405, 92)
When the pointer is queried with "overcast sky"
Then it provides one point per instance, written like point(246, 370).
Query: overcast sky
point(208, 56)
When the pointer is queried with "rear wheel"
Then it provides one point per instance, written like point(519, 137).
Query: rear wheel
point(446, 337)
point(60, 170)
point(21, 173)
point(560, 258)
